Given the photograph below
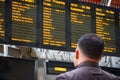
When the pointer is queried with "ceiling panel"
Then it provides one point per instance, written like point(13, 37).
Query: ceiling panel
point(115, 3)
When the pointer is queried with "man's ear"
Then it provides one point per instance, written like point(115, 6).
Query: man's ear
point(77, 54)
point(100, 58)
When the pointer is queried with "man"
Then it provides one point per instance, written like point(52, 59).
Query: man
point(87, 57)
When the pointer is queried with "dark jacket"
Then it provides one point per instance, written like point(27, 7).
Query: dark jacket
point(87, 71)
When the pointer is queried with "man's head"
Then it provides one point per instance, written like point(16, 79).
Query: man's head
point(89, 48)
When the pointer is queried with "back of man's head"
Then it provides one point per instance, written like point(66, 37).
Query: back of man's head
point(91, 45)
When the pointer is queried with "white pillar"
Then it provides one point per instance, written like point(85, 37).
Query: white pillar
point(109, 2)
point(5, 50)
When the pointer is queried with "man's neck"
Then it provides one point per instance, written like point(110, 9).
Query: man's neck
point(88, 60)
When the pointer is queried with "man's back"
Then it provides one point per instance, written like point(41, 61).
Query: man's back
point(87, 71)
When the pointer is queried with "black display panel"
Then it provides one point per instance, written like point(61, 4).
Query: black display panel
point(57, 67)
point(105, 28)
point(80, 21)
point(2, 17)
point(58, 24)
point(24, 21)
point(54, 23)
point(17, 69)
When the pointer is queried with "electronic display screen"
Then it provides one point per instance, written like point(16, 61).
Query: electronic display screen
point(105, 28)
point(2, 16)
point(24, 21)
point(58, 24)
point(17, 69)
point(80, 21)
point(54, 23)
point(57, 67)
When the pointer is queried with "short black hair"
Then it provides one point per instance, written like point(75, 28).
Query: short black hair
point(91, 45)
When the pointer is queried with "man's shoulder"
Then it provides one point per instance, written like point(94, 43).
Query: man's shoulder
point(85, 73)
point(111, 76)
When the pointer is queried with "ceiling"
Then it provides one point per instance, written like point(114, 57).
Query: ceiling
point(114, 3)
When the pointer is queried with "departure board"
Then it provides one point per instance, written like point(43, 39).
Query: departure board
point(54, 23)
point(80, 21)
point(24, 21)
point(2, 16)
point(58, 24)
point(105, 28)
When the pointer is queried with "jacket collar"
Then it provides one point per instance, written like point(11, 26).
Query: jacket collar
point(87, 63)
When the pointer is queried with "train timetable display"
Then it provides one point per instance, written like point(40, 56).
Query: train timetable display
point(2, 13)
point(24, 21)
point(54, 23)
point(57, 24)
point(80, 21)
point(105, 28)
